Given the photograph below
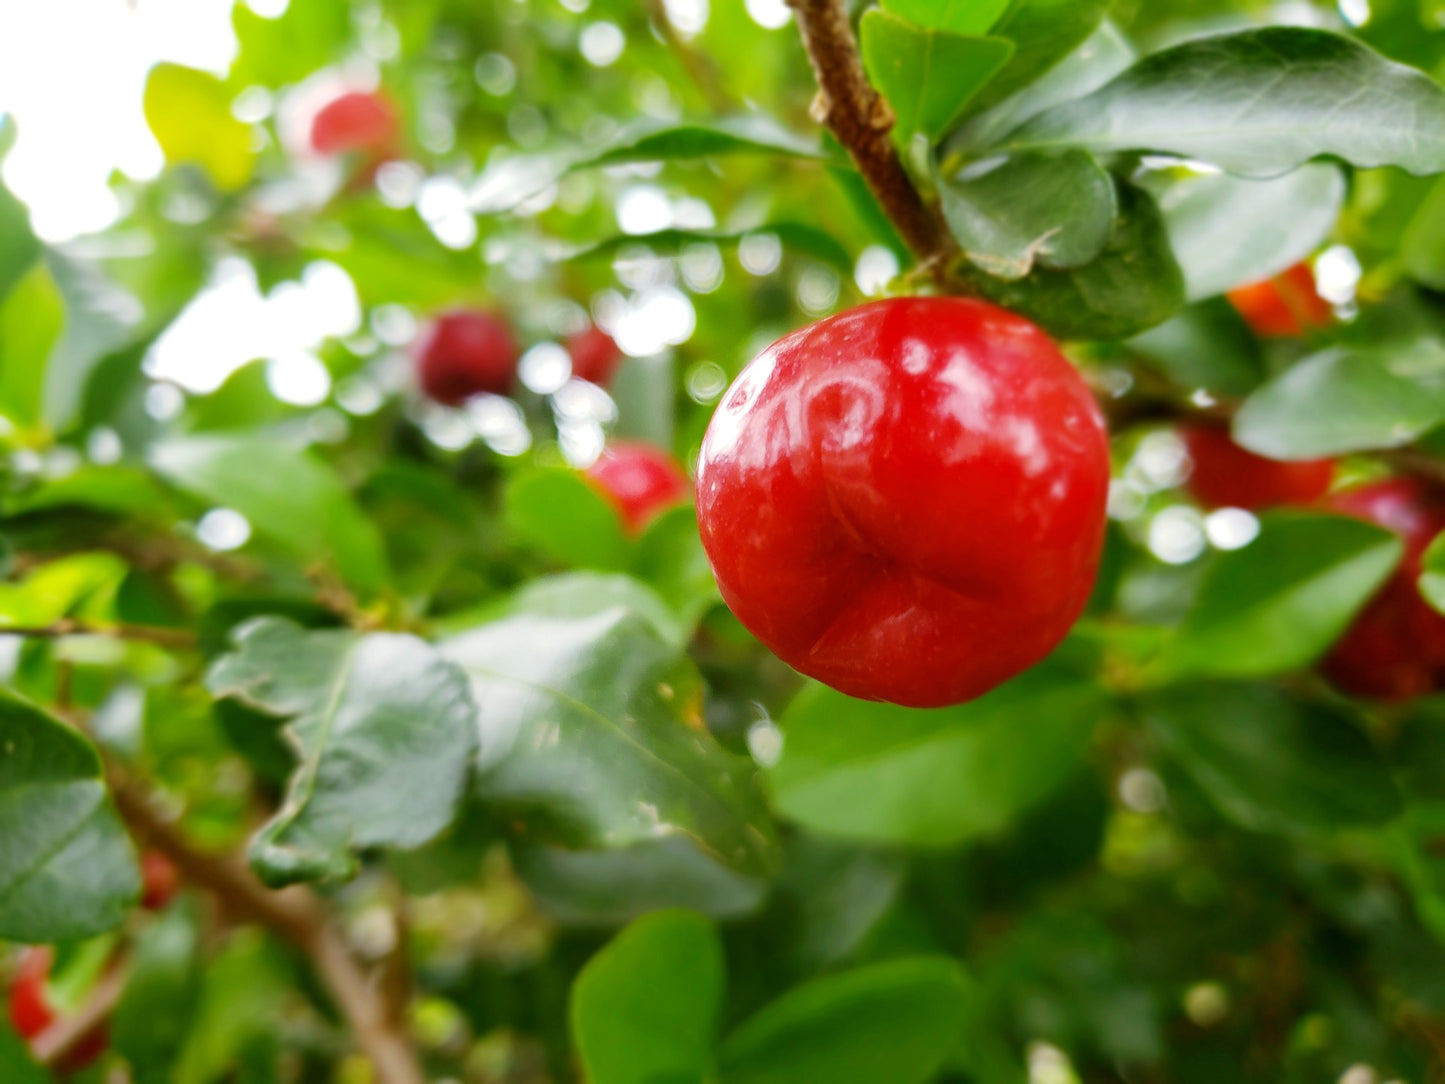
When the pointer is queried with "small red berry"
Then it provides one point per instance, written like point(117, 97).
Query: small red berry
point(640, 479)
point(1285, 306)
point(595, 357)
point(1395, 648)
point(464, 352)
point(358, 122)
point(30, 1011)
point(1224, 475)
point(160, 881)
point(907, 500)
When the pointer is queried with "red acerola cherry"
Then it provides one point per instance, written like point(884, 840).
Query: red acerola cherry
point(30, 1011)
point(1225, 475)
point(1285, 306)
point(906, 500)
point(595, 357)
point(464, 352)
point(1395, 649)
point(640, 480)
point(160, 881)
point(358, 122)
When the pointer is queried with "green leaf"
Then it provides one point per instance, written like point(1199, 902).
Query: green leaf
point(927, 75)
point(16, 1064)
point(1423, 245)
point(308, 36)
point(1432, 576)
point(563, 514)
point(1347, 399)
point(1271, 763)
point(559, 697)
point(1226, 231)
point(384, 731)
point(1258, 102)
point(189, 112)
point(513, 181)
point(60, 588)
point(311, 515)
point(1281, 601)
point(1132, 285)
point(100, 318)
point(954, 16)
point(891, 1023)
point(1043, 33)
point(162, 985)
point(1007, 213)
point(669, 557)
point(1208, 345)
point(935, 777)
point(60, 840)
point(646, 1007)
point(243, 1002)
point(795, 236)
point(31, 320)
point(19, 248)
point(119, 489)
point(577, 594)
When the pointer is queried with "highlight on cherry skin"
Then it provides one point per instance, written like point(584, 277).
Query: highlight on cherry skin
point(640, 480)
point(463, 352)
point(906, 500)
point(1224, 475)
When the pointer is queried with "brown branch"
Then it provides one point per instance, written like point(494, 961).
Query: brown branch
point(297, 915)
point(849, 107)
point(58, 1044)
point(699, 67)
point(69, 626)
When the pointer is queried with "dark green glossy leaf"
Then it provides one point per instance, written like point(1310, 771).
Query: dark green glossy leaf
point(1227, 231)
point(1259, 102)
point(955, 16)
point(926, 75)
point(1007, 214)
point(1281, 601)
point(312, 515)
point(566, 516)
point(1208, 345)
point(1271, 763)
point(646, 1007)
point(936, 777)
point(1132, 285)
point(592, 726)
point(1347, 399)
point(1043, 33)
point(891, 1023)
point(59, 837)
point(384, 729)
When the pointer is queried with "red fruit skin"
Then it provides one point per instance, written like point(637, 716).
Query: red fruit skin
point(357, 122)
point(1228, 476)
point(1395, 649)
point(906, 500)
point(595, 357)
point(1285, 306)
point(30, 1011)
point(640, 480)
point(464, 352)
point(160, 881)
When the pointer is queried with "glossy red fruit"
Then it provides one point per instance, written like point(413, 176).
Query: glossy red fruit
point(358, 122)
point(464, 352)
point(1224, 475)
point(906, 500)
point(30, 1011)
point(640, 479)
point(160, 881)
point(1285, 306)
point(1395, 649)
point(595, 357)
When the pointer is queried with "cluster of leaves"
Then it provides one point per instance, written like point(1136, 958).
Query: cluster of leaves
point(439, 672)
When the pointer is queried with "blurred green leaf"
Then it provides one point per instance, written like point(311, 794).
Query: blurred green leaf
point(60, 839)
point(32, 317)
point(1007, 214)
point(1423, 243)
point(954, 16)
point(1347, 399)
point(311, 514)
point(60, 588)
point(307, 36)
point(163, 981)
point(242, 1003)
point(1432, 576)
point(561, 512)
point(927, 75)
point(189, 112)
point(931, 777)
point(16, 1064)
point(794, 236)
point(669, 557)
point(1259, 102)
point(1207, 345)
point(1131, 286)
point(646, 1007)
point(558, 696)
point(1271, 763)
point(1281, 601)
point(100, 318)
point(384, 728)
point(577, 594)
point(1043, 33)
point(19, 248)
point(890, 1023)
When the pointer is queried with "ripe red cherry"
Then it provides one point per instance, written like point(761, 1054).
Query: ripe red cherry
point(358, 122)
point(160, 881)
point(1285, 306)
point(464, 352)
point(906, 500)
point(595, 357)
point(30, 1011)
point(640, 480)
point(1228, 476)
point(1395, 649)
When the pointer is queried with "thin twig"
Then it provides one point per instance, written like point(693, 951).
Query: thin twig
point(699, 67)
point(69, 626)
point(849, 107)
point(62, 1040)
